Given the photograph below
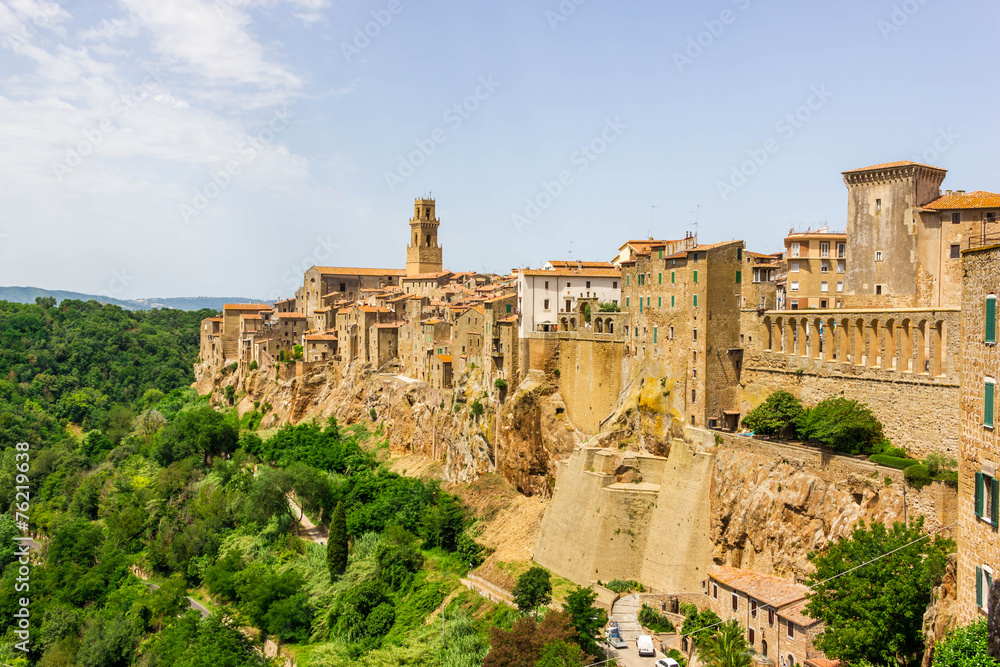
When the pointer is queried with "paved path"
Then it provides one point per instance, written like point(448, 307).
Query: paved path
point(310, 531)
point(193, 604)
point(626, 612)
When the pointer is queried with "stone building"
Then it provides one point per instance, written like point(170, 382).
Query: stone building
point(547, 298)
point(467, 338)
point(230, 336)
point(429, 285)
point(210, 347)
point(904, 237)
point(979, 459)
point(628, 250)
point(440, 373)
point(320, 346)
point(423, 255)
point(764, 271)
point(684, 327)
point(770, 609)
point(353, 330)
point(817, 265)
point(324, 285)
point(383, 338)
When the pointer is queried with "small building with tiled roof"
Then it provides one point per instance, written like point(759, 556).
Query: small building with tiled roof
point(323, 285)
point(770, 609)
point(548, 299)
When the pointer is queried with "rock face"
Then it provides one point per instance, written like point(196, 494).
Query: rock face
point(942, 613)
point(526, 431)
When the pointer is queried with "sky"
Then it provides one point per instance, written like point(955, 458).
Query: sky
point(220, 147)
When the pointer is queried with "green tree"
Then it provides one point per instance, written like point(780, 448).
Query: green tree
point(725, 646)
point(845, 425)
point(874, 612)
point(775, 416)
point(533, 589)
point(964, 647)
point(698, 625)
point(560, 653)
point(585, 618)
point(336, 545)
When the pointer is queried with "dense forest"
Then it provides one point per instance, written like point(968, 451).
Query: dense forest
point(171, 531)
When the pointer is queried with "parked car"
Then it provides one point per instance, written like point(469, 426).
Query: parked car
point(667, 662)
point(645, 645)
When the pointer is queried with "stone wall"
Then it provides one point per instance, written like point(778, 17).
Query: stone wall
point(589, 379)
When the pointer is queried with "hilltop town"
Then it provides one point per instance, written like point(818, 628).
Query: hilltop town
point(615, 388)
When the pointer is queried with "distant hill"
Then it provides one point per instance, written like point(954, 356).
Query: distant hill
point(28, 295)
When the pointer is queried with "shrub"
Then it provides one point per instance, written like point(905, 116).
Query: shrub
point(652, 619)
point(964, 646)
point(940, 463)
point(254, 365)
point(624, 586)
point(917, 476)
point(775, 415)
point(476, 409)
point(372, 414)
point(892, 461)
point(845, 425)
point(609, 307)
point(500, 384)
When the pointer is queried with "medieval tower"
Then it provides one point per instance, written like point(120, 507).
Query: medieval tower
point(423, 255)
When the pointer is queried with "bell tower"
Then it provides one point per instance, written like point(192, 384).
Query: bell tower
point(423, 255)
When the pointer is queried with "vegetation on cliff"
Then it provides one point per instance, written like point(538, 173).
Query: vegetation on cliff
point(965, 647)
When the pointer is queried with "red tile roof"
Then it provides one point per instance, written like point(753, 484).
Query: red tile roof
point(290, 316)
point(321, 336)
point(428, 276)
point(246, 306)
point(356, 271)
point(890, 165)
point(970, 200)
point(589, 273)
point(774, 591)
point(388, 325)
point(446, 358)
point(567, 264)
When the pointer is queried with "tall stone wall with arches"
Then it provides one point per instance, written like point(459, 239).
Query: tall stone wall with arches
point(898, 361)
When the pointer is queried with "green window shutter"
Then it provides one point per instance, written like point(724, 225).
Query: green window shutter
point(647, 301)
point(695, 300)
point(661, 254)
point(626, 302)
point(659, 278)
point(672, 302)
point(988, 404)
point(994, 509)
point(654, 334)
point(659, 302)
point(991, 319)
point(628, 280)
point(640, 304)
point(739, 276)
point(696, 276)
point(979, 494)
point(672, 277)
point(979, 586)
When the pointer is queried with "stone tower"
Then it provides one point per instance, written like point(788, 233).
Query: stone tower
point(423, 255)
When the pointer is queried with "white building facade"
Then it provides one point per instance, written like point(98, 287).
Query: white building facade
point(547, 298)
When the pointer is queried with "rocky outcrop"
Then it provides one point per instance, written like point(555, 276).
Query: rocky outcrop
point(525, 432)
point(942, 613)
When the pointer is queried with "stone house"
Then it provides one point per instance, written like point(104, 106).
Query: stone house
point(440, 375)
point(770, 609)
point(324, 285)
point(817, 266)
point(320, 346)
point(507, 364)
point(426, 284)
point(629, 250)
point(684, 327)
point(230, 337)
point(384, 340)
point(979, 447)
point(761, 291)
point(467, 338)
point(547, 299)
point(210, 344)
point(353, 330)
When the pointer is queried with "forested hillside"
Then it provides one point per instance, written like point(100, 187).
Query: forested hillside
point(143, 496)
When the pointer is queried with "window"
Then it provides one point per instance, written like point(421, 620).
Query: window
point(659, 302)
point(715, 590)
point(987, 497)
point(739, 277)
point(794, 286)
point(509, 306)
point(751, 638)
point(770, 617)
point(343, 287)
point(991, 217)
point(878, 255)
point(655, 332)
point(824, 286)
point(626, 301)
point(991, 319)
point(588, 284)
point(840, 285)
point(672, 277)
point(672, 304)
point(671, 333)
point(753, 608)
point(795, 250)
point(824, 267)
point(659, 278)
point(988, 391)
point(661, 254)
point(824, 249)
point(739, 254)
point(695, 300)
point(567, 287)
point(878, 289)
point(956, 218)
point(841, 250)
point(640, 304)
point(546, 284)
point(694, 257)
point(841, 266)
point(794, 304)
point(956, 252)
point(614, 285)
point(736, 598)
point(822, 303)
point(628, 280)
point(984, 582)
point(790, 630)
point(695, 332)
point(642, 278)
point(695, 276)
point(545, 304)
point(763, 648)
point(878, 204)
point(795, 267)
point(647, 302)
point(693, 400)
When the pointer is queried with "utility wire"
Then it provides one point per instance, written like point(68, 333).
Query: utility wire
point(889, 553)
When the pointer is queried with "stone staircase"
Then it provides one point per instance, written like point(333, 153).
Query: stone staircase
point(626, 613)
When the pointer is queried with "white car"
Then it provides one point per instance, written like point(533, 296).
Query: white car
point(645, 645)
point(667, 662)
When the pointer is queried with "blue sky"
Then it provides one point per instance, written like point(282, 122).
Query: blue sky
point(189, 147)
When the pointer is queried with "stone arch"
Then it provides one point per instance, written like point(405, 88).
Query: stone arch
point(572, 324)
point(793, 337)
point(939, 348)
point(779, 337)
point(922, 365)
point(599, 325)
point(816, 347)
point(768, 335)
point(610, 325)
point(859, 342)
point(889, 345)
point(875, 343)
point(906, 346)
point(845, 341)
point(564, 323)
